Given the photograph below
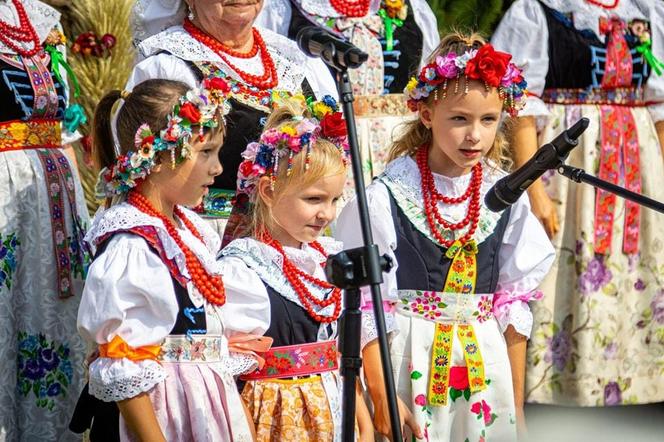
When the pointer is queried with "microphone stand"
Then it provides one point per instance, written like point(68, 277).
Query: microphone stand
point(580, 176)
point(352, 269)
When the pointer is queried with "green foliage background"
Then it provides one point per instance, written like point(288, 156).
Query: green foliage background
point(469, 15)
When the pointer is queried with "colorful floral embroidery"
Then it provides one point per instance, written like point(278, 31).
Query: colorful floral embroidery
point(44, 368)
point(198, 348)
point(39, 134)
point(473, 357)
point(297, 360)
point(8, 246)
point(441, 352)
point(483, 411)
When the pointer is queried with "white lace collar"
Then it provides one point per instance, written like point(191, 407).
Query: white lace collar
point(402, 178)
point(124, 216)
point(287, 56)
point(43, 18)
point(587, 15)
point(268, 264)
point(323, 8)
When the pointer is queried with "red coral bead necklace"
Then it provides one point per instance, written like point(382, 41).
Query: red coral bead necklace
point(431, 197)
point(295, 277)
point(351, 8)
point(268, 80)
point(211, 287)
point(24, 32)
point(602, 5)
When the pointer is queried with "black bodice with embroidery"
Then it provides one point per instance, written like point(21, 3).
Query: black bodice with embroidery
point(401, 62)
point(423, 264)
point(577, 58)
point(16, 93)
point(290, 324)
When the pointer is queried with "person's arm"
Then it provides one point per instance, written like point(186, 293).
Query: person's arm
point(524, 145)
point(516, 351)
point(139, 416)
point(373, 372)
point(660, 135)
point(363, 417)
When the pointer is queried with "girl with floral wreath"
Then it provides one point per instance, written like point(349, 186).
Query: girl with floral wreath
point(458, 295)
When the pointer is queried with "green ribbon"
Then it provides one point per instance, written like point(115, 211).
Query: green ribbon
point(390, 24)
point(74, 117)
point(58, 60)
point(645, 49)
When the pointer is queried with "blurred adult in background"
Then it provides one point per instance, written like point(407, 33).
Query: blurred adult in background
point(598, 336)
point(42, 222)
point(187, 40)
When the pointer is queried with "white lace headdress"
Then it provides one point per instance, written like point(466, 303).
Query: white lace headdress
point(150, 17)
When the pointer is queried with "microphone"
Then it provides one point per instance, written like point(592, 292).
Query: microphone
point(508, 189)
point(337, 53)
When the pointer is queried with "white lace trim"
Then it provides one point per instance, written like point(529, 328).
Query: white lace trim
point(124, 216)
point(517, 314)
point(113, 380)
point(237, 364)
point(586, 15)
point(402, 178)
point(149, 17)
point(268, 264)
point(42, 17)
point(288, 58)
point(323, 8)
point(369, 329)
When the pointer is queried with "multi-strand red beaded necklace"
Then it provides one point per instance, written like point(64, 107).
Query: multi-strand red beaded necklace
point(268, 80)
point(432, 197)
point(24, 33)
point(211, 287)
point(351, 8)
point(603, 5)
point(296, 276)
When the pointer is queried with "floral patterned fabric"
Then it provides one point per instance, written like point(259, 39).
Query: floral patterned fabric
point(290, 410)
point(598, 336)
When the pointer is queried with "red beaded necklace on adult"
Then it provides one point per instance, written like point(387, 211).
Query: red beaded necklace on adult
point(432, 197)
point(268, 80)
point(351, 8)
point(24, 33)
point(295, 277)
point(602, 5)
point(211, 287)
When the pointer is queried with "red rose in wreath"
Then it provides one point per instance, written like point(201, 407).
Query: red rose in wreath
point(217, 83)
point(333, 125)
point(488, 65)
point(190, 112)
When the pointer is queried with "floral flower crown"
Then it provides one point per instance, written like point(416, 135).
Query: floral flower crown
point(199, 107)
point(262, 158)
point(484, 64)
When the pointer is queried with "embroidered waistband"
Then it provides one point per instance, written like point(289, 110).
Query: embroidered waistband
point(446, 307)
point(618, 96)
point(180, 348)
point(217, 204)
point(297, 360)
point(33, 134)
point(381, 105)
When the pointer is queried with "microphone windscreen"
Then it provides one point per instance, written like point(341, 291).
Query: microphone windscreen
point(493, 202)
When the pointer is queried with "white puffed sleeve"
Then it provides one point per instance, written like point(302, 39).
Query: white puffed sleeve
point(347, 230)
point(525, 257)
point(654, 91)
point(275, 16)
point(246, 312)
point(426, 21)
point(320, 78)
point(523, 32)
point(128, 295)
point(164, 66)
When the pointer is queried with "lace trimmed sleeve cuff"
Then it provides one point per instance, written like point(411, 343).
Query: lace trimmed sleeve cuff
point(113, 380)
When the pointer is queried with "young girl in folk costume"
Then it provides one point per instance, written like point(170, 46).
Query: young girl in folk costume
point(154, 301)
point(292, 179)
point(463, 274)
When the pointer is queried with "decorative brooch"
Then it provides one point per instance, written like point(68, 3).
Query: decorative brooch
point(484, 64)
point(198, 108)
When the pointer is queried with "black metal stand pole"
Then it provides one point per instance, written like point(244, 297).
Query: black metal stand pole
point(351, 363)
point(580, 176)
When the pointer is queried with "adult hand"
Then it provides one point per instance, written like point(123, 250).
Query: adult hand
point(544, 209)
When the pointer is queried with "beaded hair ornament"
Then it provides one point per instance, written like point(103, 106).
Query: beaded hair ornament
point(261, 158)
point(198, 108)
point(484, 64)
